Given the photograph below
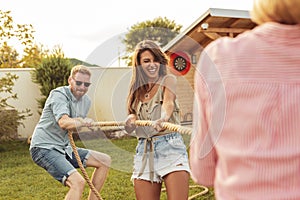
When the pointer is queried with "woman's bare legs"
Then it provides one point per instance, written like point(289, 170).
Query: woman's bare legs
point(145, 190)
point(177, 185)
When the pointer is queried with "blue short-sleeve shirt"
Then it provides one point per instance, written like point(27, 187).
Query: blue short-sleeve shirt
point(47, 133)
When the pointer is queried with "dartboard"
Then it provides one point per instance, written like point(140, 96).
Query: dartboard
point(180, 63)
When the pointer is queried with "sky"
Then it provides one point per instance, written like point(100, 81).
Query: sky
point(80, 27)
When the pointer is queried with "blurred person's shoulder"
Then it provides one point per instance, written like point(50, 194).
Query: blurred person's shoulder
point(228, 46)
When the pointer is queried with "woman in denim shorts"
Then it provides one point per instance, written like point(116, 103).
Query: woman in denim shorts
point(161, 154)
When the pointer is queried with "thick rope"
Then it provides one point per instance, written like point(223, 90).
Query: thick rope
point(165, 125)
point(204, 191)
point(85, 175)
point(112, 124)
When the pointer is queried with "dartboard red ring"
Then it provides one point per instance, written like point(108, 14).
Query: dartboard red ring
point(180, 63)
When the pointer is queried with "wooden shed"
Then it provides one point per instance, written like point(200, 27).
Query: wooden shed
point(185, 49)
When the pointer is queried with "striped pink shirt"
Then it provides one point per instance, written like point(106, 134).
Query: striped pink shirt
point(246, 139)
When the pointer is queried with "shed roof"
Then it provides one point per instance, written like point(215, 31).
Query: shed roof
point(211, 25)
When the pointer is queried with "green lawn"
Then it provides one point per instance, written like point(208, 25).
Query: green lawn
point(22, 179)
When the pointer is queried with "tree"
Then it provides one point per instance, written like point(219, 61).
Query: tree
point(52, 72)
point(33, 56)
point(161, 30)
point(17, 35)
point(8, 57)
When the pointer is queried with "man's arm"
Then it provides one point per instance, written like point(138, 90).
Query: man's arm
point(73, 124)
point(203, 156)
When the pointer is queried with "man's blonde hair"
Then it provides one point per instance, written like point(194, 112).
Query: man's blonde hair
point(281, 11)
point(80, 69)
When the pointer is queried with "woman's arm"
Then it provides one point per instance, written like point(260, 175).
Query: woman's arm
point(168, 101)
point(203, 157)
point(130, 123)
point(169, 97)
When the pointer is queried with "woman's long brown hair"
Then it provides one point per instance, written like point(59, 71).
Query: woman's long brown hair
point(139, 80)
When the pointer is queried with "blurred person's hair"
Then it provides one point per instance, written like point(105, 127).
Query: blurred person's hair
point(280, 11)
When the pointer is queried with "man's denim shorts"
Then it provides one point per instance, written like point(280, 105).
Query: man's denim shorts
point(170, 155)
point(57, 164)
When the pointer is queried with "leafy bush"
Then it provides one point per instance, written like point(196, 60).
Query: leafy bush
point(51, 73)
point(10, 117)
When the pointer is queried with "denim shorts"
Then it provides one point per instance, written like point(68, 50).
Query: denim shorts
point(57, 164)
point(169, 153)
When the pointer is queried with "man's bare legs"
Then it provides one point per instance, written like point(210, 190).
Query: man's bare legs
point(101, 162)
point(76, 182)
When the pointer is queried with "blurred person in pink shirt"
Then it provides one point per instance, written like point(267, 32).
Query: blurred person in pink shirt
point(246, 138)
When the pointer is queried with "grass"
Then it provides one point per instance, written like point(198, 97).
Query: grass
point(22, 179)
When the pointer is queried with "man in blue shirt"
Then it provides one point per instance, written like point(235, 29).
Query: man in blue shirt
point(65, 110)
